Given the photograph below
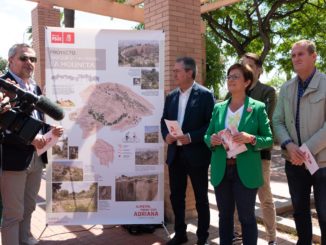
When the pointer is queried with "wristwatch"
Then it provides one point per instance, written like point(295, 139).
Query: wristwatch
point(253, 140)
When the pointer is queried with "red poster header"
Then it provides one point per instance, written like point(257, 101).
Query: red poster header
point(62, 37)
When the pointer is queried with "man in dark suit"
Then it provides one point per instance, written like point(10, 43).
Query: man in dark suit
point(21, 167)
point(191, 105)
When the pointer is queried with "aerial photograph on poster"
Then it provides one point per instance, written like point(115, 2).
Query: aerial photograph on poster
point(139, 53)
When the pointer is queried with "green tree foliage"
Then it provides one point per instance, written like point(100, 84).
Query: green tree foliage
point(269, 28)
point(140, 26)
point(29, 32)
point(3, 65)
point(276, 82)
point(215, 65)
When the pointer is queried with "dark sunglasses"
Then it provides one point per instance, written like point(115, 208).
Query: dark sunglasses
point(26, 58)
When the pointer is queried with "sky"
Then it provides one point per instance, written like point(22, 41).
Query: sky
point(15, 18)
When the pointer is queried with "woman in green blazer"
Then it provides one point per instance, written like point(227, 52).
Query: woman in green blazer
point(236, 178)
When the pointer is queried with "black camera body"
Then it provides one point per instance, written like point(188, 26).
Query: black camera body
point(19, 120)
point(21, 124)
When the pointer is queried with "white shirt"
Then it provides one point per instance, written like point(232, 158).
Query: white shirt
point(183, 100)
point(233, 118)
point(31, 87)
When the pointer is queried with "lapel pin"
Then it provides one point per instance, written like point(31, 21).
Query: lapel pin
point(249, 109)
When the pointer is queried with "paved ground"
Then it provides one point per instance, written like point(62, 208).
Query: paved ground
point(116, 235)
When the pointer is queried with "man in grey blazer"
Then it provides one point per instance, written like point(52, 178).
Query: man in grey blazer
point(300, 118)
point(191, 105)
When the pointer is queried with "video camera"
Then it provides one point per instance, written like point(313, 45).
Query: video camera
point(18, 120)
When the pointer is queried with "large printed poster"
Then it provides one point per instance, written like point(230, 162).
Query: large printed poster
point(107, 168)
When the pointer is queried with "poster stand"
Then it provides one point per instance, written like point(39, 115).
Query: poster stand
point(46, 226)
point(166, 230)
point(163, 225)
point(108, 166)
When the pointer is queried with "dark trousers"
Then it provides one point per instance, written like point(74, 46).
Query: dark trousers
point(0, 209)
point(231, 192)
point(300, 182)
point(178, 172)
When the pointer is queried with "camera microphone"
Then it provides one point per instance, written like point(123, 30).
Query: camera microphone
point(48, 107)
point(41, 103)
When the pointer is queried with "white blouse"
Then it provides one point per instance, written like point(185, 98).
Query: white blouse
point(233, 118)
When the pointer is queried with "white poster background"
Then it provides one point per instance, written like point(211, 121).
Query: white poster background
point(107, 168)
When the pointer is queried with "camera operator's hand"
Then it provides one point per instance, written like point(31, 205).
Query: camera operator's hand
point(7, 93)
point(4, 103)
point(39, 141)
point(57, 130)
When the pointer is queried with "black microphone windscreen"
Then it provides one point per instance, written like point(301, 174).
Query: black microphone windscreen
point(49, 108)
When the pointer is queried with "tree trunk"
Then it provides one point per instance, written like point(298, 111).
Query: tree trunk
point(69, 18)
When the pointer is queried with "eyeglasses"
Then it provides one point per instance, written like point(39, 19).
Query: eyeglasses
point(233, 77)
point(24, 58)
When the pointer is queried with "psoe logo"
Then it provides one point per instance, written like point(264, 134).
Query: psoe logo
point(56, 37)
point(63, 37)
point(68, 37)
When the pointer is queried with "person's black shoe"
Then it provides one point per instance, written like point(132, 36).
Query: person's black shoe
point(176, 240)
point(202, 242)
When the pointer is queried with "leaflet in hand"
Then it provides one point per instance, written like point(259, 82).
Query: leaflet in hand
point(51, 139)
point(174, 129)
point(232, 148)
point(310, 161)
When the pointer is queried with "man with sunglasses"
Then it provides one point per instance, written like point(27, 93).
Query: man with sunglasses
point(21, 168)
